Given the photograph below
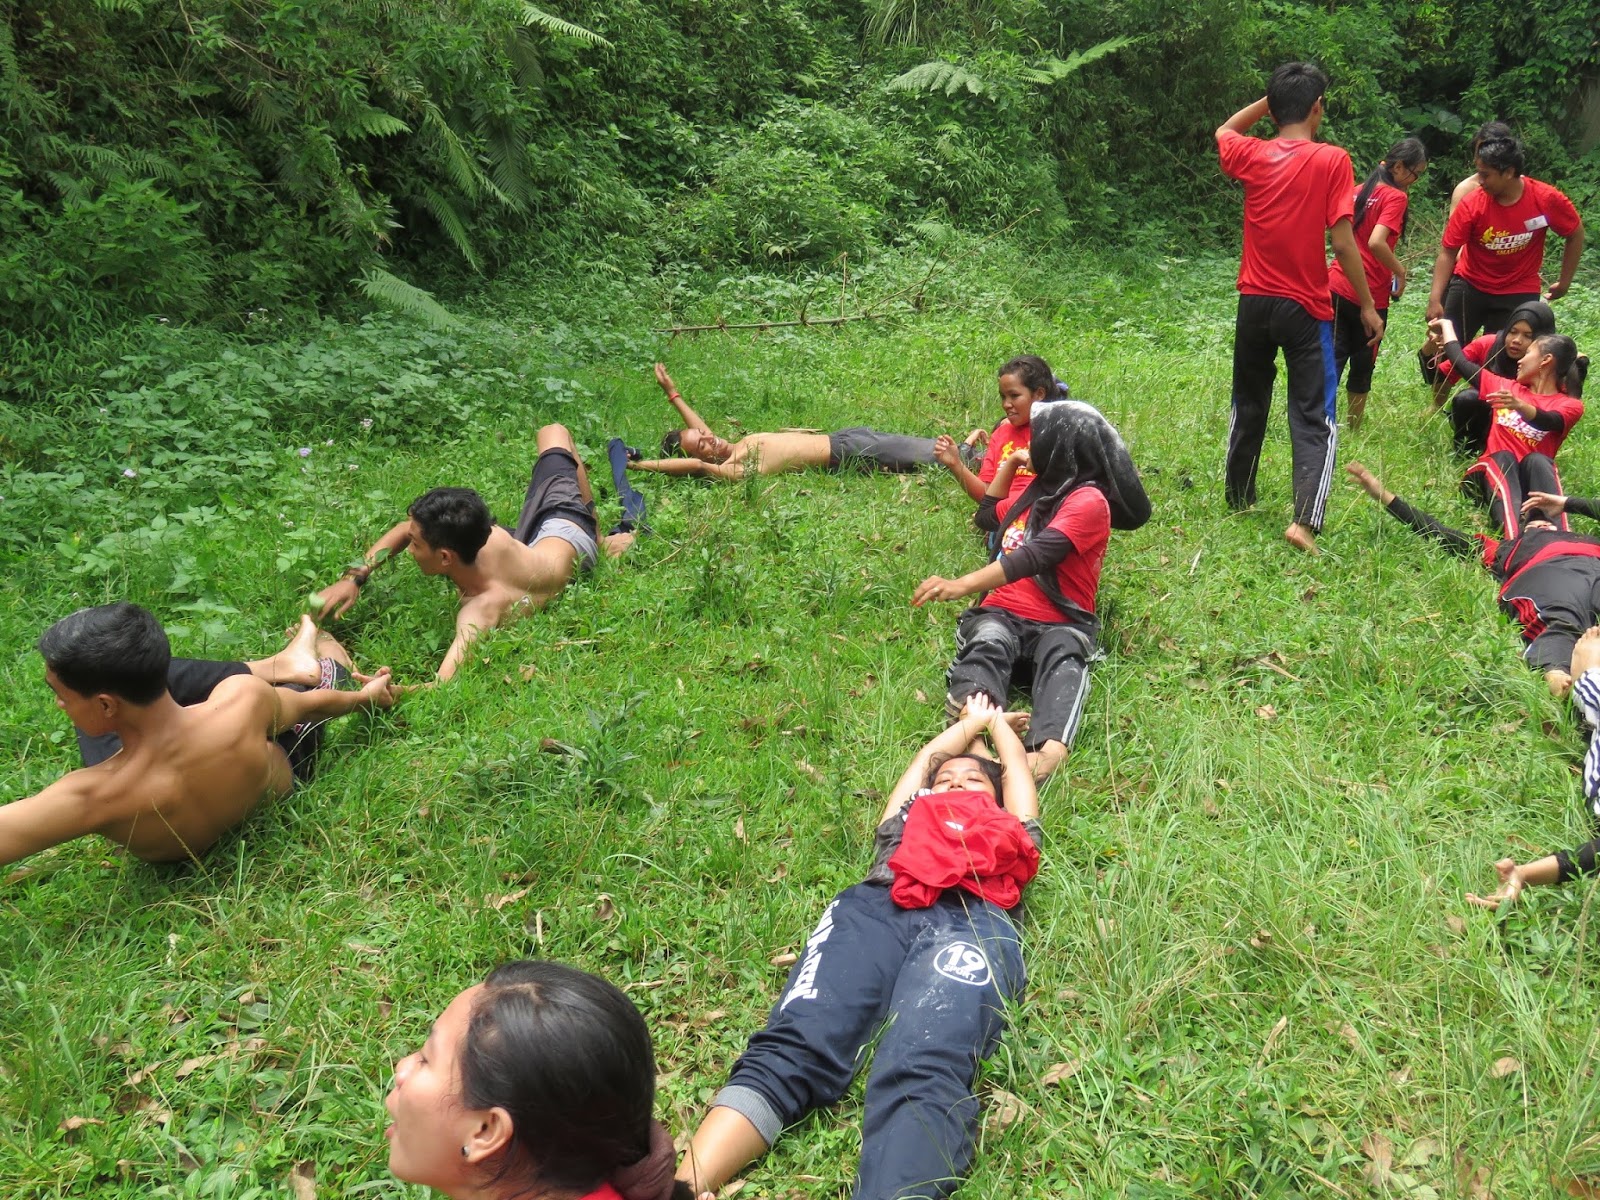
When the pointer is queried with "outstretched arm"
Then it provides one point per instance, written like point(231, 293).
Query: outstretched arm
point(57, 814)
point(936, 587)
point(953, 740)
point(691, 418)
point(337, 599)
point(290, 708)
point(689, 466)
point(1420, 522)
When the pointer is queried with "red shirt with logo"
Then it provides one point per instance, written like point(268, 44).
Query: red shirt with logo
point(1511, 430)
point(1005, 440)
point(1085, 517)
point(1387, 207)
point(1294, 191)
point(1504, 243)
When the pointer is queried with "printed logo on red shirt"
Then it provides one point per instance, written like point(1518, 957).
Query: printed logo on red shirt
point(1503, 241)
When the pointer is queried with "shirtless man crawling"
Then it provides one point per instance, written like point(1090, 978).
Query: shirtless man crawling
point(182, 776)
point(708, 456)
point(500, 574)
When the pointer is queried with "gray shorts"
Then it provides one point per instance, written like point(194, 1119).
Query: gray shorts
point(868, 450)
point(575, 535)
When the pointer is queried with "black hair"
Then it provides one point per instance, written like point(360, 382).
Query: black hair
point(118, 648)
point(453, 519)
point(1490, 131)
point(1570, 373)
point(1540, 319)
point(1407, 152)
point(568, 1056)
point(1294, 90)
point(672, 443)
point(1502, 154)
point(1035, 375)
point(992, 771)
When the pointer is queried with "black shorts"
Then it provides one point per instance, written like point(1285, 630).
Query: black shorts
point(867, 450)
point(553, 491)
point(192, 680)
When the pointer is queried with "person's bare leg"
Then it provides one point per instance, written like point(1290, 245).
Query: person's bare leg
point(1540, 873)
point(296, 662)
point(556, 436)
point(724, 1145)
point(1046, 759)
point(328, 646)
point(1301, 537)
point(1355, 409)
point(1370, 483)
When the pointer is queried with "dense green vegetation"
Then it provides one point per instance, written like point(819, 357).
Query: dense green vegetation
point(210, 159)
point(226, 233)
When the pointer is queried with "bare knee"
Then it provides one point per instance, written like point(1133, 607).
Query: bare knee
point(329, 647)
point(553, 437)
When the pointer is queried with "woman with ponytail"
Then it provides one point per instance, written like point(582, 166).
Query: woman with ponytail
point(1379, 222)
point(538, 1082)
point(1023, 382)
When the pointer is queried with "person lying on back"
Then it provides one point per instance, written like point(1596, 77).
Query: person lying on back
point(183, 775)
point(707, 456)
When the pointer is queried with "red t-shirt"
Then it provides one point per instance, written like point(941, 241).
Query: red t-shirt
point(965, 840)
point(1005, 439)
point(1387, 207)
point(1505, 242)
point(1511, 432)
point(1294, 191)
point(1085, 517)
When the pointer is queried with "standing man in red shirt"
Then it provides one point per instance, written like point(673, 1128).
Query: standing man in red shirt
point(1295, 188)
point(1493, 245)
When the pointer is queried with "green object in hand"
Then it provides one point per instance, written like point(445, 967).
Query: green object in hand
point(315, 603)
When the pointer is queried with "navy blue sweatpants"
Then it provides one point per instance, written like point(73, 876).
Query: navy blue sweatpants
point(936, 981)
point(1262, 326)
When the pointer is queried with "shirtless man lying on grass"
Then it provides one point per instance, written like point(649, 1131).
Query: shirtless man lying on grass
point(180, 776)
point(708, 456)
point(501, 574)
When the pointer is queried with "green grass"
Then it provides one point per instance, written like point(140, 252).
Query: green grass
point(1289, 772)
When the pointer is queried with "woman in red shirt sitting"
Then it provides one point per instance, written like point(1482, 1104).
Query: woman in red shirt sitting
point(1533, 414)
point(1038, 607)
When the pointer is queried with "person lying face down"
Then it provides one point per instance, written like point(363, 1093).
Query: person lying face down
point(539, 1081)
point(499, 573)
point(707, 456)
point(1039, 609)
point(183, 775)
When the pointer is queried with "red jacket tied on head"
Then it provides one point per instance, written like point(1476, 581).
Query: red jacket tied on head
point(965, 840)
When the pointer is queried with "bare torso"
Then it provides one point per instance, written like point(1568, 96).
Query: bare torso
point(520, 579)
point(173, 794)
point(775, 453)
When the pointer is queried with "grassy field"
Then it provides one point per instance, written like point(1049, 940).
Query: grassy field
point(1251, 968)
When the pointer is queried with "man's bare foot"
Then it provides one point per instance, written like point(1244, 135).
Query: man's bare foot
point(1511, 885)
point(296, 662)
point(1369, 482)
point(1046, 759)
point(1301, 537)
point(616, 544)
point(1559, 683)
point(1586, 654)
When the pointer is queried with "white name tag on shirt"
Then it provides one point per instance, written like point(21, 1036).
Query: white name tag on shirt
point(1539, 222)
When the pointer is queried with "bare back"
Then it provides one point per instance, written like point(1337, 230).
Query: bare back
point(179, 789)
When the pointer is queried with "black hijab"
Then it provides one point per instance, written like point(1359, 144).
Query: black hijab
point(1540, 318)
point(1073, 446)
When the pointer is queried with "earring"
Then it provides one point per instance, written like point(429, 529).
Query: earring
point(463, 1152)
